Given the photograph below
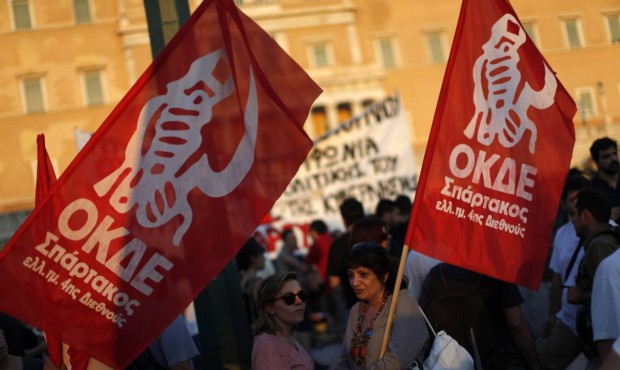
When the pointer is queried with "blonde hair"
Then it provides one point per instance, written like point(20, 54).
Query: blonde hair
point(267, 292)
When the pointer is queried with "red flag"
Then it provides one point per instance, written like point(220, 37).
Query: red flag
point(46, 178)
point(165, 192)
point(498, 152)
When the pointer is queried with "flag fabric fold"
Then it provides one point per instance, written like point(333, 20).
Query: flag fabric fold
point(165, 192)
point(46, 178)
point(498, 151)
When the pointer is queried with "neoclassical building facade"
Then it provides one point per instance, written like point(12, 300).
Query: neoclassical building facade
point(66, 64)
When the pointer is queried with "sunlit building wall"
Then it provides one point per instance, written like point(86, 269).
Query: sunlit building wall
point(65, 65)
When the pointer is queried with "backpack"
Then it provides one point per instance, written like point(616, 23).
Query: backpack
point(459, 309)
point(584, 314)
point(445, 353)
point(583, 322)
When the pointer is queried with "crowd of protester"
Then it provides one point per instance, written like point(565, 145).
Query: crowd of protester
point(342, 286)
point(584, 268)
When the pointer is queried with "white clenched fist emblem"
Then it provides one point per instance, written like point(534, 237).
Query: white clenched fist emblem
point(149, 176)
point(501, 110)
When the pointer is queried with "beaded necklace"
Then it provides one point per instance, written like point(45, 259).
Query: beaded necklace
point(360, 338)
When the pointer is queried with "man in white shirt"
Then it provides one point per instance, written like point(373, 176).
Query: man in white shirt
point(606, 304)
point(559, 343)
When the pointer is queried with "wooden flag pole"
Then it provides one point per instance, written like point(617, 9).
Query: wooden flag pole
point(399, 279)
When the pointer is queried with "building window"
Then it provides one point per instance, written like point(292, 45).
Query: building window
point(344, 112)
point(320, 55)
point(21, 14)
point(93, 88)
point(532, 31)
point(436, 49)
point(319, 120)
point(33, 95)
point(585, 103)
point(82, 11)
point(387, 52)
point(366, 103)
point(613, 24)
point(572, 31)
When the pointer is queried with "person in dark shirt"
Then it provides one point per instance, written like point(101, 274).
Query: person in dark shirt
point(250, 260)
point(401, 223)
point(342, 294)
point(591, 220)
point(21, 338)
point(10, 361)
point(503, 305)
point(604, 152)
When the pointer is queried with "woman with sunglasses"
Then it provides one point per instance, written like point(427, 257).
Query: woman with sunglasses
point(372, 275)
point(281, 305)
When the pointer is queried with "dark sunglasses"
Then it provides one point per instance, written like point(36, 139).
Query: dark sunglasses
point(366, 246)
point(289, 298)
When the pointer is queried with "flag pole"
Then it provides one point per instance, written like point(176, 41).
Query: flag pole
point(399, 279)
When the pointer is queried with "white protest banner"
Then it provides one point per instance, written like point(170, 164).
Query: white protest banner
point(369, 157)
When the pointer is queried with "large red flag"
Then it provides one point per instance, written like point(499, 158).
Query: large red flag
point(498, 152)
point(165, 192)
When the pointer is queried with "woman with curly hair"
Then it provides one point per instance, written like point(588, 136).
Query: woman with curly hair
point(372, 275)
